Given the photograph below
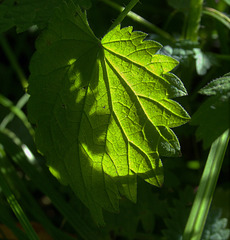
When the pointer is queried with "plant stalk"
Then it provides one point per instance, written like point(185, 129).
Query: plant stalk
point(193, 21)
point(124, 13)
point(197, 218)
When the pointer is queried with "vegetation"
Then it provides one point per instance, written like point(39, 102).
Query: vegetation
point(115, 119)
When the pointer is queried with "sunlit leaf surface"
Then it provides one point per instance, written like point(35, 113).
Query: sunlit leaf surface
point(102, 109)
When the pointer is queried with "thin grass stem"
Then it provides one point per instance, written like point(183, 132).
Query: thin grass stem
point(13, 61)
point(197, 218)
point(219, 16)
point(11, 199)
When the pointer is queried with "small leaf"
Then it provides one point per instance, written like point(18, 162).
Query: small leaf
point(213, 115)
point(104, 109)
point(202, 61)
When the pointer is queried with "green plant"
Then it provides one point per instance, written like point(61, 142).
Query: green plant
point(101, 111)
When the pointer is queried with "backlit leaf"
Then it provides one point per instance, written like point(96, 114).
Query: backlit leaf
point(102, 109)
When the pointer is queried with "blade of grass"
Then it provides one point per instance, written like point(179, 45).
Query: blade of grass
point(7, 219)
point(13, 61)
point(28, 202)
point(11, 199)
point(44, 182)
point(17, 111)
point(20, 104)
point(202, 202)
point(124, 13)
point(221, 17)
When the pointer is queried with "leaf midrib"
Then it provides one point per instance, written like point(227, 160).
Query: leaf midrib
point(117, 120)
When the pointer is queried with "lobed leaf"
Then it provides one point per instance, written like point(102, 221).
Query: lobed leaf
point(102, 109)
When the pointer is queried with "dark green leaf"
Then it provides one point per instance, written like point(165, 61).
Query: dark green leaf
point(25, 13)
point(213, 115)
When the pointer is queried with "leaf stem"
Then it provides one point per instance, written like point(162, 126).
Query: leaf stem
point(124, 13)
point(193, 21)
point(202, 202)
point(13, 61)
point(141, 20)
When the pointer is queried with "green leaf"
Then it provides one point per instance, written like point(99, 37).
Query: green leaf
point(219, 86)
point(186, 50)
point(25, 13)
point(213, 115)
point(203, 62)
point(104, 109)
